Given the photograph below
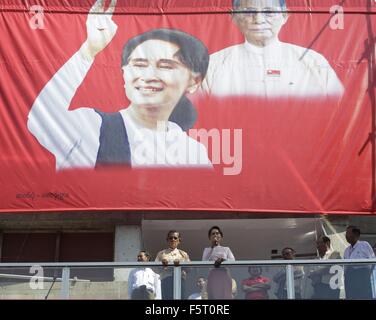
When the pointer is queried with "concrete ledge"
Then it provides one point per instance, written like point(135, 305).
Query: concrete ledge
point(78, 290)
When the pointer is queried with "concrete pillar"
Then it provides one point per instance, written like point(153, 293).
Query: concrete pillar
point(128, 243)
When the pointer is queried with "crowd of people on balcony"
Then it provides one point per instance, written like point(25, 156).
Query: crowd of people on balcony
point(359, 280)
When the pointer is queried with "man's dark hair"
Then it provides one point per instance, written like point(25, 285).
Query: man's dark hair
point(288, 248)
point(325, 239)
point(236, 4)
point(213, 228)
point(354, 230)
point(147, 254)
point(171, 232)
point(192, 53)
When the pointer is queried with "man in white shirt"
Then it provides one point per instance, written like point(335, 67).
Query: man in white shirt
point(321, 275)
point(357, 278)
point(374, 275)
point(263, 66)
point(144, 283)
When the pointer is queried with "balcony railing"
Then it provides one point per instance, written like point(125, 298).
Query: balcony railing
point(276, 279)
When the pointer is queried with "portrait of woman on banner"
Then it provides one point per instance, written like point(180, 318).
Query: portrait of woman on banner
point(160, 67)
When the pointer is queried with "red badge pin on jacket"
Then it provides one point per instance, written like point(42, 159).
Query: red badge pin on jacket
point(273, 73)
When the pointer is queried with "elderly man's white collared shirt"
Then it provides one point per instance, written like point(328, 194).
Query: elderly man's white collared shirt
point(277, 70)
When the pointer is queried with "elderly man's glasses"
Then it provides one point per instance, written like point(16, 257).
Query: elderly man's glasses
point(266, 12)
point(173, 238)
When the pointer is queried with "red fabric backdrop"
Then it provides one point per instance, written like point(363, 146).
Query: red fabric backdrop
point(299, 155)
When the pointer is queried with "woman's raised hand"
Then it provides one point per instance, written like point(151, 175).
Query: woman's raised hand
point(100, 28)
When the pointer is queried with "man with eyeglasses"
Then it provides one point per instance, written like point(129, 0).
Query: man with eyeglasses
point(264, 66)
point(171, 255)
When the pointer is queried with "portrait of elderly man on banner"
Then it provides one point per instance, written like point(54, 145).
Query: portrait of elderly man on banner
point(159, 67)
point(264, 66)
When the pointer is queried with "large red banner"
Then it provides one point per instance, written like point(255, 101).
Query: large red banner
point(215, 105)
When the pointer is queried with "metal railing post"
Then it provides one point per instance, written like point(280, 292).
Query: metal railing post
point(64, 293)
point(177, 283)
point(290, 286)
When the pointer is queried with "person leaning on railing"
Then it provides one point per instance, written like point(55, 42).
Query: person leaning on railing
point(171, 255)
